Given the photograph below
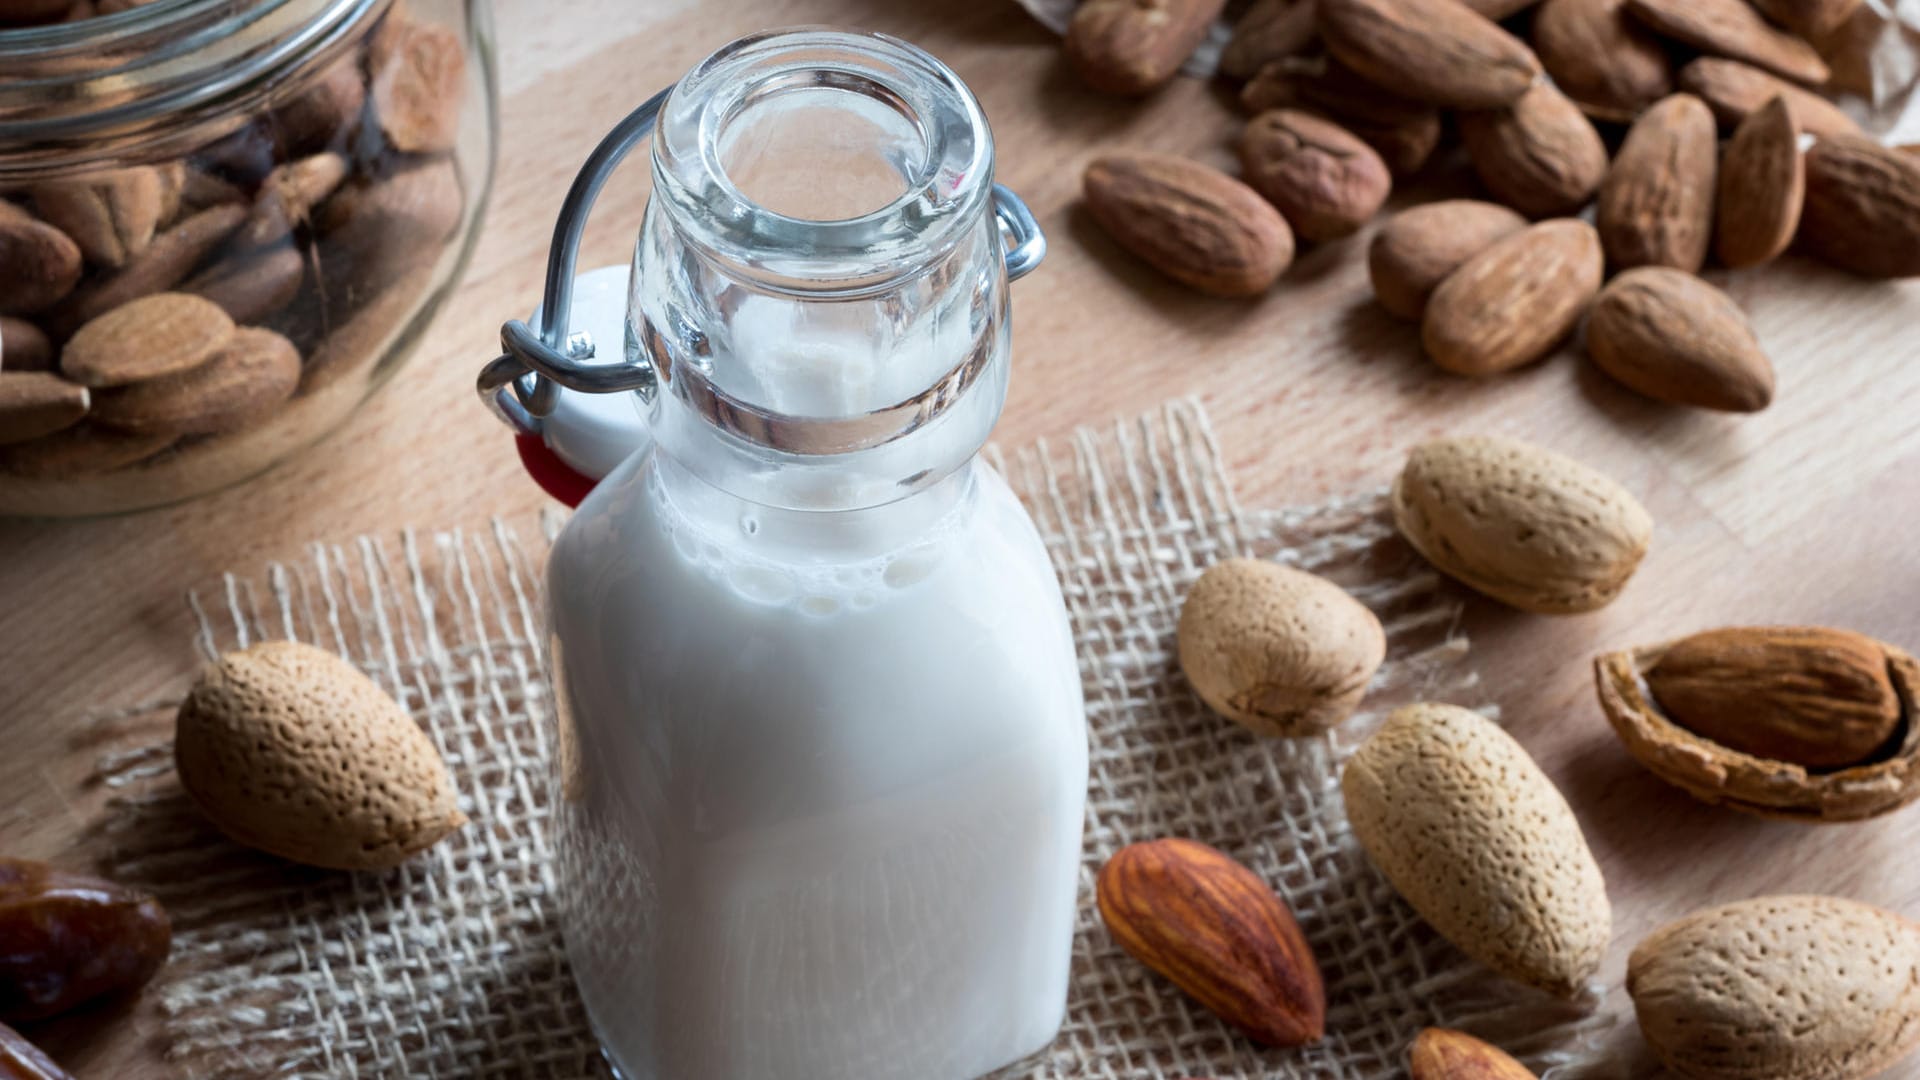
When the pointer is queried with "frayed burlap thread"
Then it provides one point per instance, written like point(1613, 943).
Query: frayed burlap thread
point(452, 966)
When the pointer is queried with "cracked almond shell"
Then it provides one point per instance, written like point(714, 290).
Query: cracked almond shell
point(1722, 776)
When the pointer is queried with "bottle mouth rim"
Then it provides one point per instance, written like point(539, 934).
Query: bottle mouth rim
point(946, 192)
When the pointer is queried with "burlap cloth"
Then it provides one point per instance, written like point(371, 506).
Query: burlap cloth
point(451, 966)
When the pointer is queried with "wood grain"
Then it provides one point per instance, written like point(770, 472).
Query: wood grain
point(1803, 513)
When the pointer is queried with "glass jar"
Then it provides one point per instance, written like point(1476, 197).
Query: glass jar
point(222, 225)
point(822, 763)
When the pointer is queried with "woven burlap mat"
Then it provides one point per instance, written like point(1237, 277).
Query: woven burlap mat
point(451, 966)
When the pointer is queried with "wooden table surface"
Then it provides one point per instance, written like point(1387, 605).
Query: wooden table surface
point(1804, 513)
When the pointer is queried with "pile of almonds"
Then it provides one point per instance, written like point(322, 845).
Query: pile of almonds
point(1345, 96)
point(159, 322)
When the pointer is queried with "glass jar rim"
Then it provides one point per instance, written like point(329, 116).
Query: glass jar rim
point(135, 83)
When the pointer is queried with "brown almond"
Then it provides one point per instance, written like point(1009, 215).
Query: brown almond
point(165, 263)
point(200, 190)
point(325, 113)
point(1763, 183)
point(1515, 302)
point(1539, 155)
point(1811, 696)
point(1734, 90)
point(145, 339)
point(1438, 51)
point(1417, 248)
point(246, 380)
point(1499, 9)
point(288, 196)
point(111, 215)
point(251, 286)
point(1811, 19)
point(39, 264)
point(1402, 131)
point(1610, 65)
point(1325, 180)
point(1441, 1054)
point(1656, 207)
point(1270, 30)
point(1673, 337)
point(36, 403)
point(389, 226)
point(1193, 223)
point(416, 77)
point(81, 450)
point(1732, 28)
point(1862, 209)
point(1218, 932)
point(24, 346)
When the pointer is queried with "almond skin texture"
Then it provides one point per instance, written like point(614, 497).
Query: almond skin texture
point(245, 381)
point(1734, 91)
point(1402, 131)
point(1135, 46)
point(1515, 302)
point(1218, 932)
point(36, 403)
point(1763, 184)
point(1862, 210)
point(1440, 1054)
point(39, 264)
point(1437, 51)
point(416, 78)
point(1539, 155)
point(166, 262)
point(1811, 19)
point(150, 337)
point(1478, 840)
point(1610, 65)
point(1673, 337)
point(290, 749)
point(1780, 988)
point(1417, 248)
point(1656, 207)
point(1270, 29)
point(289, 194)
point(24, 346)
point(251, 286)
point(111, 215)
point(1277, 650)
point(1195, 224)
point(1519, 523)
point(1326, 182)
point(1732, 28)
point(1808, 695)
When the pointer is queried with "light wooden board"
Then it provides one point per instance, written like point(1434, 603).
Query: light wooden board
point(1802, 514)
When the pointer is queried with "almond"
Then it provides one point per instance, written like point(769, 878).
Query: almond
point(1402, 131)
point(1763, 184)
point(81, 450)
point(1135, 46)
point(389, 226)
point(1438, 51)
point(24, 346)
point(1732, 28)
point(1499, 9)
point(165, 263)
point(150, 337)
point(1193, 223)
point(1515, 302)
point(324, 114)
point(1811, 19)
point(1476, 838)
point(1218, 932)
point(290, 749)
point(1539, 155)
point(1420, 246)
point(416, 78)
point(1656, 207)
point(1440, 1054)
point(251, 286)
point(1277, 650)
point(1781, 988)
point(1673, 337)
point(1862, 209)
point(1270, 30)
point(36, 403)
point(1326, 182)
point(1734, 90)
point(1531, 528)
point(39, 264)
point(1610, 65)
point(288, 196)
point(246, 380)
point(111, 215)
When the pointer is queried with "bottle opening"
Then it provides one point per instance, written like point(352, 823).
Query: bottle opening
point(822, 146)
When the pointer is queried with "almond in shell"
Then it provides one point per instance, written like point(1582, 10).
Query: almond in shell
point(1734, 91)
point(1763, 184)
point(1862, 207)
point(1136, 46)
point(1539, 155)
point(1437, 51)
point(1656, 206)
point(1519, 523)
point(1478, 840)
point(1673, 337)
point(1609, 64)
point(1218, 932)
point(1270, 30)
point(1515, 302)
point(1418, 247)
point(39, 264)
point(150, 337)
point(1193, 223)
point(1734, 29)
point(36, 403)
point(1443, 1054)
point(1325, 180)
point(245, 381)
